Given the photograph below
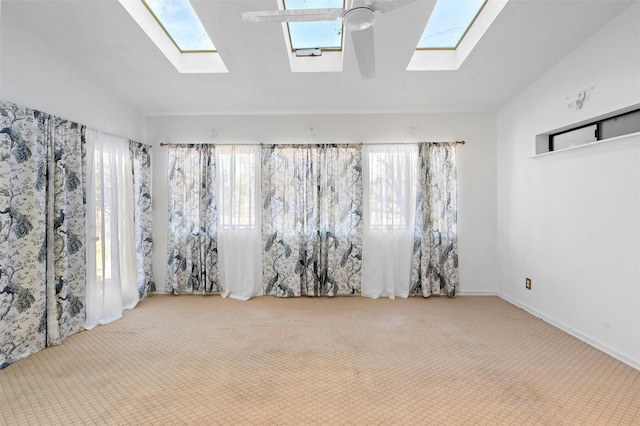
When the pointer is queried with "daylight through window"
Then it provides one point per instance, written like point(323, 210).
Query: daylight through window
point(236, 187)
point(182, 25)
point(392, 189)
point(449, 22)
point(315, 35)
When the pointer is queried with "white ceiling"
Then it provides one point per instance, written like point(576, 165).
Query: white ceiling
point(99, 36)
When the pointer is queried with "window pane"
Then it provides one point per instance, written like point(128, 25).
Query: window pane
point(391, 189)
point(449, 22)
point(575, 137)
point(624, 124)
point(236, 187)
point(181, 23)
point(313, 35)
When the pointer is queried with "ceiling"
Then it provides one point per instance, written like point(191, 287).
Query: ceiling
point(101, 38)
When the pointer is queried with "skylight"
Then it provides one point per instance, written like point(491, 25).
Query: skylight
point(181, 24)
point(449, 22)
point(315, 35)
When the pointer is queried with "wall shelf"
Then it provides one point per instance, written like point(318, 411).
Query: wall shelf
point(590, 144)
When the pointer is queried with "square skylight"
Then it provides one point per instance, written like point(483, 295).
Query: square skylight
point(182, 25)
point(449, 22)
point(315, 35)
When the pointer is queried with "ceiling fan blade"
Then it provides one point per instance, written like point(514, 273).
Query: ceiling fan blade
point(385, 6)
point(294, 15)
point(365, 53)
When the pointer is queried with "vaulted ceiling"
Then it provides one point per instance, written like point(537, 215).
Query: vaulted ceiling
point(100, 37)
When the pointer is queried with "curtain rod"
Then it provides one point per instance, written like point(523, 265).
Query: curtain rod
point(113, 134)
point(263, 144)
point(206, 143)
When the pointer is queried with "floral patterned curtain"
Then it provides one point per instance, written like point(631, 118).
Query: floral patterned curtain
point(42, 229)
point(434, 268)
point(142, 215)
point(192, 264)
point(67, 229)
point(312, 219)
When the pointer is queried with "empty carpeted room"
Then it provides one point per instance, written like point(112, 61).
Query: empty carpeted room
point(319, 212)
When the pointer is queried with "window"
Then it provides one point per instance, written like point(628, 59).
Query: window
point(449, 22)
point(574, 137)
point(605, 128)
point(623, 124)
point(315, 35)
point(174, 28)
point(236, 186)
point(391, 186)
point(180, 22)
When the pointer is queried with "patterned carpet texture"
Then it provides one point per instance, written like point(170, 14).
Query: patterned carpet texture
point(311, 361)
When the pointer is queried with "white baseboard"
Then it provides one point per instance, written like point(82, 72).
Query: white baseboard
point(560, 325)
point(477, 293)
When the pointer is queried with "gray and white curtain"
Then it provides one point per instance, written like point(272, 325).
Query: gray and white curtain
point(312, 220)
point(42, 230)
point(66, 228)
point(142, 215)
point(434, 267)
point(192, 262)
point(314, 226)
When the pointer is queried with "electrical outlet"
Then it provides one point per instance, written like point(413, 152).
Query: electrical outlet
point(527, 283)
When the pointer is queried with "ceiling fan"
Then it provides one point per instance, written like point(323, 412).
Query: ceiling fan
point(358, 17)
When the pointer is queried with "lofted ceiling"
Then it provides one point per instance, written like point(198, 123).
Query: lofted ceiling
point(100, 37)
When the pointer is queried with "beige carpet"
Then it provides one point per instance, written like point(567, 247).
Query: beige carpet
point(350, 360)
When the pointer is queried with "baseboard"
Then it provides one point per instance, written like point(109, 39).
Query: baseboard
point(460, 293)
point(477, 293)
point(564, 327)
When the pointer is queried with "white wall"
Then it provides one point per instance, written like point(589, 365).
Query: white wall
point(35, 74)
point(571, 220)
point(476, 167)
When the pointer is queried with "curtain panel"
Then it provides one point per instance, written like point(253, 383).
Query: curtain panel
point(42, 229)
point(434, 268)
point(142, 216)
point(390, 203)
point(66, 228)
point(111, 252)
point(312, 220)
point(192, 258)
point(239, 221)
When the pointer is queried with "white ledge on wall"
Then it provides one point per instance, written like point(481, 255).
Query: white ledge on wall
point(589, 144)
point(184, 62)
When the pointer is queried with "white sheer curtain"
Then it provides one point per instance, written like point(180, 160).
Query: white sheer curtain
point(389, 186)
point(111, 255)
point(239, 224)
